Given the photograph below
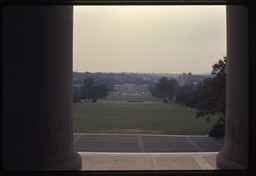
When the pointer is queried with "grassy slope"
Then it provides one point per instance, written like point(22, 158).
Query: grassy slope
point(167, 118)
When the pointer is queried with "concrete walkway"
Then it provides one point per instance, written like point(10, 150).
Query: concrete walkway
point(113, 152)
point(150, 161)
point(145, 143)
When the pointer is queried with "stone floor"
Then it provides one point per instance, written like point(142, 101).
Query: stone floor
point(148, 161)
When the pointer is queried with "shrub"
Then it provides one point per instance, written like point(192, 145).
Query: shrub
point(218, 130)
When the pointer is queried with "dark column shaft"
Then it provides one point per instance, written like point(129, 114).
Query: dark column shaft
point(37, 88)
point(235, 152)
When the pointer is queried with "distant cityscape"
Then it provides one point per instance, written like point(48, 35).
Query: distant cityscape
point(132, 79)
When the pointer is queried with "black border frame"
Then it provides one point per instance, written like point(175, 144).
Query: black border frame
point(250, 4)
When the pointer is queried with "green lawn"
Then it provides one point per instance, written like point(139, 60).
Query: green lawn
point(165, 118)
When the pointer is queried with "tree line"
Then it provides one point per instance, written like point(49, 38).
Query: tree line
point(114, 78)
point(208, 97)
point(90, 91)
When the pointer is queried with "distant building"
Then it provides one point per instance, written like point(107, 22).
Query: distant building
point(127, 87)
point(185, 79)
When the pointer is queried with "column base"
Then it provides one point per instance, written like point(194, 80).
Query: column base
point(75, 164)
point(224, 162)
point(68, 162)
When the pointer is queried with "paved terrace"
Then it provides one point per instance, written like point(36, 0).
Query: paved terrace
point(147, 152)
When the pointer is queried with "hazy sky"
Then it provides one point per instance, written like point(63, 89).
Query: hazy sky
point(170, 39)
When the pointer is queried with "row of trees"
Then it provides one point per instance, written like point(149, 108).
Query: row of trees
point(114, 78)
point(208, 97)
point(169, 89)
point(89, 91)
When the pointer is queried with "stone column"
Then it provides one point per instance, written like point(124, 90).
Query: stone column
point(37, 88)
point(235, 152)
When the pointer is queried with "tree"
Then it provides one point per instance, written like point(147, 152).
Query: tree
point(91, 91)
point(76, 95)
point(164, 88)
point(187, 95)
point(87, 88)
point(172, 88)
point(212, 96)
point(100, 91)
point(212, 93)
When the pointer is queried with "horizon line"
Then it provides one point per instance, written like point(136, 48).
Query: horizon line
point(144, 72)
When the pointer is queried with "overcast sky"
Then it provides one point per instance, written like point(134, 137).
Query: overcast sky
point(169, 39)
